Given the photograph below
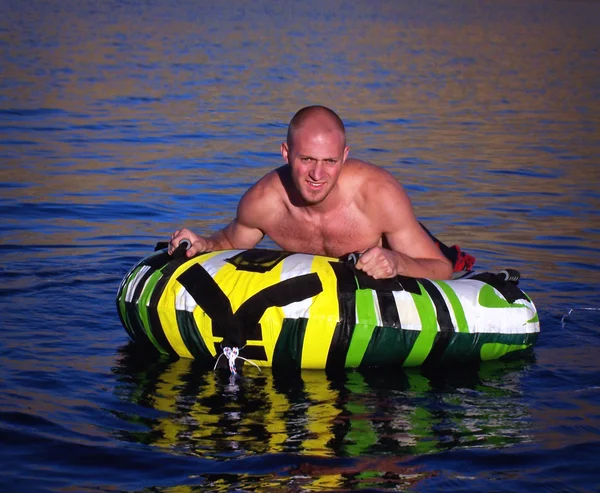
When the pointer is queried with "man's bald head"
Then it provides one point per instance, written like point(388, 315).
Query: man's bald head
point(321, 118)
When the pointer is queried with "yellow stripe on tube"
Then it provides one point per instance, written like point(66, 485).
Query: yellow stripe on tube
point(271, 323)
point(324, 316)
point(204, 324)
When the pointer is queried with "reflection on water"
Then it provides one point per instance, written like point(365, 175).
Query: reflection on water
point(312, 414)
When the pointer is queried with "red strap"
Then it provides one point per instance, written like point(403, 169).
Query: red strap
point(464, 261)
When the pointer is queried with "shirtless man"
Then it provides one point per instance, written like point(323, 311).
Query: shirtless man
point(323, 203)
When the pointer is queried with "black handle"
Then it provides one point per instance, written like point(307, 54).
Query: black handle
point(184, 246)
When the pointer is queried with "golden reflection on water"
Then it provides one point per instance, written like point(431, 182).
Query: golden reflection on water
point(487, 117)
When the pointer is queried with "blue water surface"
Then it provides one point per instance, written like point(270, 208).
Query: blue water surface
point(121, 121)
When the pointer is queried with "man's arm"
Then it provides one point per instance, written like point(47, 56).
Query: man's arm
point(234, 235)
point(411, 251)
point(243, 232)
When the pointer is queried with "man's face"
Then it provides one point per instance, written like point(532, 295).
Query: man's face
point(315, 158)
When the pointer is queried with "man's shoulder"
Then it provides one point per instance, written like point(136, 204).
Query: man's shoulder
point(262, 197)
point(269, 185)
point(373, 188)
point(364, 173)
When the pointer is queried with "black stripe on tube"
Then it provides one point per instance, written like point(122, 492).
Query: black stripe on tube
point(443, 338)
point(441, 308)
point(281, 294)
point(388, 309)
point(346, 286)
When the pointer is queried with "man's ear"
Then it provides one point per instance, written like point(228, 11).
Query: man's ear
point(346, 151)
point(285, 152)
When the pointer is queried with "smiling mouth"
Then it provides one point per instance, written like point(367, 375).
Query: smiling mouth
point(313, 184)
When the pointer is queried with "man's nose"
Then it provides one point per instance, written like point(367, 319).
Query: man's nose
point(316, 173)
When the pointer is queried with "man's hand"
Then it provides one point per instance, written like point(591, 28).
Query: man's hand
point(379, 263)
point(198, 244)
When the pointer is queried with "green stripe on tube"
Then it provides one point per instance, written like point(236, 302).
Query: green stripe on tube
point(142, 305)
point(191, 336)
point(129, 309)
point(365, 325)
point(424, 342)
point(459, 313)
point(123, 306)
point(490, 298)
point(495, 350)
point(126, 322)
point(288, 348)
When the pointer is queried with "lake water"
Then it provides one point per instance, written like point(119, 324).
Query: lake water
point(121, 121)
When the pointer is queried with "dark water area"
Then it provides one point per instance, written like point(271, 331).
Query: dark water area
point(121, 121)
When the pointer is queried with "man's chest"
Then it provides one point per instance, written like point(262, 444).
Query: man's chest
point(335, 235)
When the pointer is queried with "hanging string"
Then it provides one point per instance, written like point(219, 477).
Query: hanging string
point(232, 354)
point(562, 320)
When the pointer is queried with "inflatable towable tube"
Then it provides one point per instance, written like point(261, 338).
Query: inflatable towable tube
point(309, 311)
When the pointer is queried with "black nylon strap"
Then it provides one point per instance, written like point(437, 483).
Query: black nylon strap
point(280, 294)
point(237, 328)
point(257, 260)
point(506, 288)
